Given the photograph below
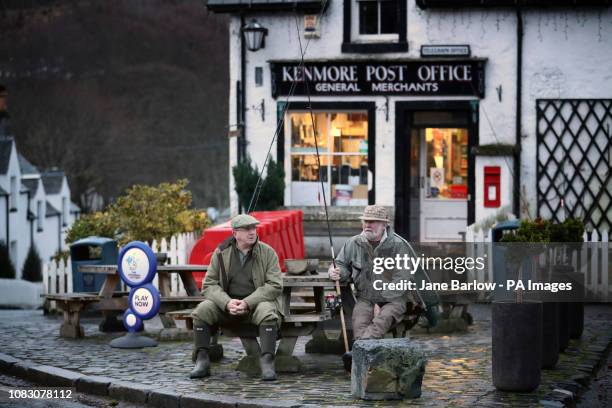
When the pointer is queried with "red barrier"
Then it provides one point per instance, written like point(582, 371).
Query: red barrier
point(282, 230)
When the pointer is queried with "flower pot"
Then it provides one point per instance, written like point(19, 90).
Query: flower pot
point(517, 345)
point(562, 309)
point(576, 319)
point(550, 335)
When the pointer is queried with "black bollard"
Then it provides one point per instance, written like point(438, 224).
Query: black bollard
point(517, 345)
point(562, 308)
point(550, 335)
point(576, 319)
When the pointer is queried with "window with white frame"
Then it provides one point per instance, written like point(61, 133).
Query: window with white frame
point(375, 20)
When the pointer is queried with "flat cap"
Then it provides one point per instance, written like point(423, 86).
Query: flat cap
point(243, 220)
point(375, 213)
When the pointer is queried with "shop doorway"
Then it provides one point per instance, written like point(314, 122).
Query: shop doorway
point(434, 168)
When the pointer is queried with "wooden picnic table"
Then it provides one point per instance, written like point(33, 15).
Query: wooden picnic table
point(163, 272)
point(169, 302)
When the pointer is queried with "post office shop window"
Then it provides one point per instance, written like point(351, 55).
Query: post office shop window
point(343, 148)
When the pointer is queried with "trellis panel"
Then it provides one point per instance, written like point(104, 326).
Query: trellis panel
point(574, 160)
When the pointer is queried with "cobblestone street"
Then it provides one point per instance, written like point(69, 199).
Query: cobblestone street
point(458, 372)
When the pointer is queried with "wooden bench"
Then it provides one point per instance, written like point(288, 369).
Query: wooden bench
point(71, 305)
point(171, 305)
point(292, 327)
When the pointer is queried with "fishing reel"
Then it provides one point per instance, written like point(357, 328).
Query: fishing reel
point(333, 303)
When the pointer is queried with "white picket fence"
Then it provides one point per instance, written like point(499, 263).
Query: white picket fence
point(593, 261)
point(57, 278)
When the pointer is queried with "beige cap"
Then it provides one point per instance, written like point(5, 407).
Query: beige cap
point(375, 213)
point(243, 220)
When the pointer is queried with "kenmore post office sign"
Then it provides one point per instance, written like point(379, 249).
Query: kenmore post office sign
point(416, 77)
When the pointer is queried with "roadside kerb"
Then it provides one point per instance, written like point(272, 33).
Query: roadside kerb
point(127, 391)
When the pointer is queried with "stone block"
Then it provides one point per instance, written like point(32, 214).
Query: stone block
point(54, 376)
point(130, 391)
point(20, 369)
point(163, 399)
point(387, 369)
point(202, 399)
point(7, 361)
point(263, 403)
point(93, 384)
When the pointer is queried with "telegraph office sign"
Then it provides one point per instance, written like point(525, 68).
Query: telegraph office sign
point(416, 77)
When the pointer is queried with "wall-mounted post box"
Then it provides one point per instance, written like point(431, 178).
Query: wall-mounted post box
point(492, 181)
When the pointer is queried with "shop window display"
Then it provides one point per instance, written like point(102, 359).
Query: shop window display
point(343, 147)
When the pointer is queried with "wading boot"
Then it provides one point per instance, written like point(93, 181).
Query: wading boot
point(201, 344)
point(267, 338)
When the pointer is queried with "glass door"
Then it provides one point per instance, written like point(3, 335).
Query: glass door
point(444, 182)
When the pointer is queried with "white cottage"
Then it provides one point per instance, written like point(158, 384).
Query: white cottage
point(35, 208)
point(445, 111)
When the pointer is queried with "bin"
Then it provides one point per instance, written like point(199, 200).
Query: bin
point(91, 251)
point(499, 259)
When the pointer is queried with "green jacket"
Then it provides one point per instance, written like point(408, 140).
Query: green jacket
point(356, 259)
point(267, 276)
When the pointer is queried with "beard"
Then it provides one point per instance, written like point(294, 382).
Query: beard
point(372, 236)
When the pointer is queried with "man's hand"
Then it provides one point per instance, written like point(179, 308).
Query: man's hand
point(243, 307)
point(334, 273)
point(237, 307)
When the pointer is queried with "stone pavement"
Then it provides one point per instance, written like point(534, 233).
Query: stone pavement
point(458, 373)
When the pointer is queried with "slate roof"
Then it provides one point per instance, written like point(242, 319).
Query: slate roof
point(52, 180)
point(31, 184)
point(27, 167)
point(51, 211)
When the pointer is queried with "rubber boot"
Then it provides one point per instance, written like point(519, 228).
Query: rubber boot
point(267, 338)
point(201, 344)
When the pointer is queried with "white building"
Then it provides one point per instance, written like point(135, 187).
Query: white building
point(39, 206)
point(445, 115)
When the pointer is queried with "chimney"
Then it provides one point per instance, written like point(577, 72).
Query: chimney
point(4, 117)
point(3, 98)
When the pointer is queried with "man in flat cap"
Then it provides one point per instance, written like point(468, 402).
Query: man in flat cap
point(243, 284)
point(355, 262)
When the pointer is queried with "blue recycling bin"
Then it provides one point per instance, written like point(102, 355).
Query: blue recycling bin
point(91, 251)
point(500, 274)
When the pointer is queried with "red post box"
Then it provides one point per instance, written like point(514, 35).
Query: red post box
point(492, 181)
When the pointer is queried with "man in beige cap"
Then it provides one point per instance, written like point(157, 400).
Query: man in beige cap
point(355, 263)
point(243, 285)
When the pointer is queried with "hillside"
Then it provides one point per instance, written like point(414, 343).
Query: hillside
point(119, 92)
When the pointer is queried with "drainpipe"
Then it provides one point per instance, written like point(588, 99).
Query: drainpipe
point(519, 79)
point(241, 97)
point(241, 101)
